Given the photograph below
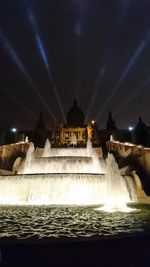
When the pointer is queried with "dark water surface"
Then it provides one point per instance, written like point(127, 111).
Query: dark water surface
point(24, 222)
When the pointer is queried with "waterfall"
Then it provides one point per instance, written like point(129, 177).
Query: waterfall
point(68, 177)
point(59, 189)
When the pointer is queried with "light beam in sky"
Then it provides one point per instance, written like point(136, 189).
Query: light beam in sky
point(7, 45)
point(81, 6)
point(109, 53)
point(78, 29)
point(42, 52)
point(17, 101)
point(102, 73)
point(138, 91)
point(146, 111)
point(125, 73)
point(130, 98)
point(125, 6)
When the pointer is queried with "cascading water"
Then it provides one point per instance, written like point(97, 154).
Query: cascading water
point(29, 157)
point(47, 149)
point(69, 160)
point(61, 189)
point(50, 189)
point(118, 190)
point(85, 184)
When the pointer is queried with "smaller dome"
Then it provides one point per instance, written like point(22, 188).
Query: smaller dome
point(75, 116)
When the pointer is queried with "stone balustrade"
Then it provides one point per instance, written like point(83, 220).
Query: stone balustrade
point(137, 157)
point(8, 153)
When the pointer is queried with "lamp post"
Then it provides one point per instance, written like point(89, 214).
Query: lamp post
point(131, 130)
point(14, 132)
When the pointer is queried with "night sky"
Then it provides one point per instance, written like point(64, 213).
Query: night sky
point(53, 51)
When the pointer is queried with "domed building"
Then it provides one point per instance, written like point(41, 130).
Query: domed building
point(75, 116)
point(74, 132)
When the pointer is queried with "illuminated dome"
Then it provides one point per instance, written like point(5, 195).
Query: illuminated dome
point(75, 116)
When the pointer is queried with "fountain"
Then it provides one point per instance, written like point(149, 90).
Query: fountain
point(47, 149)
point(73, 179)
point(67, 189)
point(116, 189)
point(69, 160)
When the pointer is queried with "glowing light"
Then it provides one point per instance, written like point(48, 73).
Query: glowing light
point(21, 66)
point(128, 144)
point(13, 130)
point(130, 128)
point(42, 51)
point(38, 39)
point(125, 73)
point(44, 58)
point(109, 207)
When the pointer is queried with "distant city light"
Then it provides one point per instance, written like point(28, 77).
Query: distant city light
point(13, 130)
point(130, 128)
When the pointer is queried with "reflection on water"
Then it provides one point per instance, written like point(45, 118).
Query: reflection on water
point(67, 221)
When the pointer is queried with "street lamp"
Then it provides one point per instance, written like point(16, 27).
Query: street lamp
point(14, 135)
point(131, 130)
point(13, 130)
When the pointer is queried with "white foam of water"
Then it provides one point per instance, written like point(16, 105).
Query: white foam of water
point(57, 162)
point(59, 189)
point(69, 180)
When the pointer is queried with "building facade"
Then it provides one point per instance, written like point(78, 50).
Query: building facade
point(74, 132)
